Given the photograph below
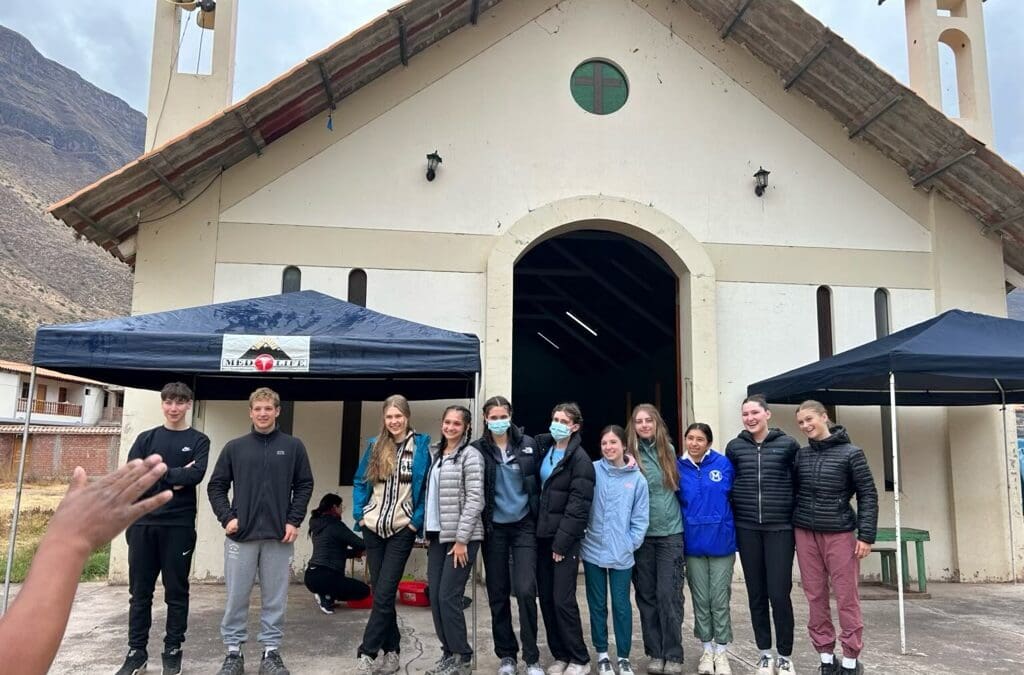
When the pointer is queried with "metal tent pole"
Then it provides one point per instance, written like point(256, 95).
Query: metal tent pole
point(896, 510)
point(1009, 486)
point(17, 494)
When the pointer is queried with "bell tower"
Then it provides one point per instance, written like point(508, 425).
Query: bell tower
point(960, 25)
point(180, 96)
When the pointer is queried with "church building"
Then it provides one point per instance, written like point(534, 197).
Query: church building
point(627, 201)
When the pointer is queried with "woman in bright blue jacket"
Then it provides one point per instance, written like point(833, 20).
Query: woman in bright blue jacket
point(618, 522)
point(709, 540)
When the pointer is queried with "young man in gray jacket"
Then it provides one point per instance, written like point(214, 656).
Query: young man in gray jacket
point(272, 484)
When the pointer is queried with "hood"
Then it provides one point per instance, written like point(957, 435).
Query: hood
point(612, 470)
point(318, 524)
point(838, 436)
point(773, 433)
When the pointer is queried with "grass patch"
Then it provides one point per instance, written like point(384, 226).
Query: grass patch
point(31, 527)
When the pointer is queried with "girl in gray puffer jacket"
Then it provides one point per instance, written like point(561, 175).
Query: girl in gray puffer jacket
point(453, 521)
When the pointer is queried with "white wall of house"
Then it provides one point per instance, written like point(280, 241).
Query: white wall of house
point(10, 391)
point(702, 116)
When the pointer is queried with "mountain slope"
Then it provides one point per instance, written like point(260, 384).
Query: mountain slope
point(58, 133)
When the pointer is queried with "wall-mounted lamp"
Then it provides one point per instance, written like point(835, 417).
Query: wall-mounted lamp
point(761, 181)
point(433, 159)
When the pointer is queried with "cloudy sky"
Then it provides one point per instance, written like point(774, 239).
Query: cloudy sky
point(111, 48)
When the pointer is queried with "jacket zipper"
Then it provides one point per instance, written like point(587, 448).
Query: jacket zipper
point(760, 516)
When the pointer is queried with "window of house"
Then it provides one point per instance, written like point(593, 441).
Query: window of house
point(352, 413)
point(24, 390)
point(826, 341)
point(882, 329)
point(291, 282)
point(62, 394)
point(599, 87)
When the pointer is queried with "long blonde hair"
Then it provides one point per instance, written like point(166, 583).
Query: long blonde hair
point(383, 454)
point(662, 442)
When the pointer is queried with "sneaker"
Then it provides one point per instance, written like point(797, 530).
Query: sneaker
point(579, 669)
point(765, 666)
point(507, 666)
point(604, 667)
point(388, 664)
point(443, 665)
point(656, 667)
point(460, 666)
point(673, 668)
point(234, 664)
point(324, 603)
point(722, 666)
point(784, 666)
point(171, 660)
point(625, 667)
point(366, 664)
point(706, 666)
point(557, 668)
point(135, 662)
point(272, 664)
point(829, 669)
point(534, 669)
point(856, 670)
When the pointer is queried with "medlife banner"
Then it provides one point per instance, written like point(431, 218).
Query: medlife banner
point(264, 353)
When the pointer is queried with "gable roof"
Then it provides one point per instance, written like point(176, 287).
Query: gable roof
point(935, 152)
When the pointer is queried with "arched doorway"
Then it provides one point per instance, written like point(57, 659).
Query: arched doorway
point(595, 320)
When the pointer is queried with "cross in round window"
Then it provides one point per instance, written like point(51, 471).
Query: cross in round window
point(599, 87)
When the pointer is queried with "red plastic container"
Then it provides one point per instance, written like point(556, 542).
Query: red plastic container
point(413, 593)
point(365, 603)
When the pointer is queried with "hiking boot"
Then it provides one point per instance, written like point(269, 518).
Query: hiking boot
point(765, 666)
point(135, 662)
point(706, 666)
point(273, 664)
point(656, 667)
point(234, 664)
point(625, 667)
point(171, 661)
point(388, 663)
point(507, 666)
point(557, 668)
point(604, 667)
point(366, 664)
point(722, 666)
point(856, 670)
point(673, 668)
point(442, 666)
point(783, 666)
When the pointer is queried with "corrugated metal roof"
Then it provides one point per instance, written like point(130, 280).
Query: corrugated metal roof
point(935, 152)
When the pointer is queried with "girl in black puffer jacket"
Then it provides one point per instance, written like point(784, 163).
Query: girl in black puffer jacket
point(831, 470)
point(567, 490)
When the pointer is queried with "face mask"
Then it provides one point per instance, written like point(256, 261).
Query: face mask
point(559, 431)
point(499, 427)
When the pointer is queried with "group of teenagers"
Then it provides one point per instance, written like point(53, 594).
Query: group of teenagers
point(643, 516)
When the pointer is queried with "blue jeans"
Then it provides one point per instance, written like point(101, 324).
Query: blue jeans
point(598, 580)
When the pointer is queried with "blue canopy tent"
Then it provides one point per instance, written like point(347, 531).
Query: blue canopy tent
point(305, 345)
point(956, 358)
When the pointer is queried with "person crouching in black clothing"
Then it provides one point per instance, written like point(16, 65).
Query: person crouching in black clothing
point(333, 544)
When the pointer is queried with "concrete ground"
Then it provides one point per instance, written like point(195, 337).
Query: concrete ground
point(961, 627)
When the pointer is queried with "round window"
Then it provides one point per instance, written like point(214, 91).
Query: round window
point(599, 87)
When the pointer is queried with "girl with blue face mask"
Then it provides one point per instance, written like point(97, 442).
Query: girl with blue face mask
point(567, 490)
point(511, 496)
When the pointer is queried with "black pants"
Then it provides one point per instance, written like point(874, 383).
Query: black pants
point(164, 550)
point(386, 558)
point(334, 584)
point(767, 559)
point(658, 578)
point(556, 585)
point(447, 585)
point(510, 564)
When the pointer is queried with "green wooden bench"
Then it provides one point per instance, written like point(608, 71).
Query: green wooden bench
point(886, 534)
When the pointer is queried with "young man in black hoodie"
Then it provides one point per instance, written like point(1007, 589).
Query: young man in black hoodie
point(162, 542)
point(271, 481)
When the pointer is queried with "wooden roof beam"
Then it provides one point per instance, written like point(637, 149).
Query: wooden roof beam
point(808, 60)
point(939, 167)
point(474, 11)
point(325, 80)
point(1007, 219)
point(403, 40)
point(163, 180)
point(734, 19)
point(881, 107)
point(94, 225)
point(252, 134)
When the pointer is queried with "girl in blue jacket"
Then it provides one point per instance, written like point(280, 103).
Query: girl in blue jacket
point(709, 536)
point(618, 523)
